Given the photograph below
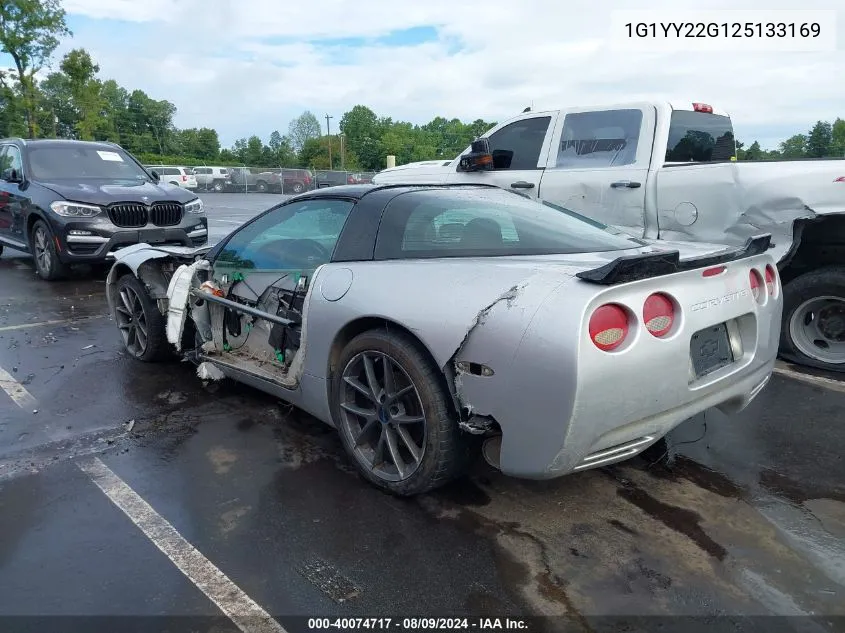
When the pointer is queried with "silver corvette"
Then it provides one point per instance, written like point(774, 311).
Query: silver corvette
point(427, 323)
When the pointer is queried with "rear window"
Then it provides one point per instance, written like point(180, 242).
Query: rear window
point(700, 137)
point(223, 171)
point(487, 223)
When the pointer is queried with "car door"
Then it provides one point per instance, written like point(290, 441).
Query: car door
point(599, 164)
point(520, 149)
point(12, 199)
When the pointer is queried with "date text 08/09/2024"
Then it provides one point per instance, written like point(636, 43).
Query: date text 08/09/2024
point(417, 624)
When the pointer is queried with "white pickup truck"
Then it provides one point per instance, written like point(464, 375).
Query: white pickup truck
point(667, 171)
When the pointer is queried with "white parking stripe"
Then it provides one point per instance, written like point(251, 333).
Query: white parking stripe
point(16, 391)
point(231, 600)
point(25, 326)
point(819, 381)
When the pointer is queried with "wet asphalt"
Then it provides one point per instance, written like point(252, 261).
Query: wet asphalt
point(741, 516)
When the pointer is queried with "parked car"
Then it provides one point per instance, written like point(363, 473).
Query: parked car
point(669, 171)
point(69, 202)
point(180, 176)
point(212, 178)
point(297, 181)
point(329, 178)
point(245, 179)
point(419, 319)
point(359, 179)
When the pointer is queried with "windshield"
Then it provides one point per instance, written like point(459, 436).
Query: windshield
point(700, 137)
point(80, 162)
point(482, 223)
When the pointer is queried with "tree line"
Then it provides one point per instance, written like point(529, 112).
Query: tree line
point(73, 101)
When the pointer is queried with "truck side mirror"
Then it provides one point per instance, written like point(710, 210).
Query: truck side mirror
point(11, 175)
point(479, 157)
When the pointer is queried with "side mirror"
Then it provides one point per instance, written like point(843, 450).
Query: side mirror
point(479, 157)
point(155, 175)
point(11, 175)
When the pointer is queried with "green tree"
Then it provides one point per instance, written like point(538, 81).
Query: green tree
point(85, 92)
point(837, 133)
point(820, 140)
point(794, 147)
point(754, 152)
point(29, 33)
point(303, 128)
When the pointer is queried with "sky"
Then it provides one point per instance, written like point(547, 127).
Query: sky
point(248, 67)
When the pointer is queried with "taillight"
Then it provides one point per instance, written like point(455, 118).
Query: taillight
point(658, 314)
point(702, 107)
point(608, 327)
point(756, 285)
point(712, 272)
point(184, 178)
point(771, 276)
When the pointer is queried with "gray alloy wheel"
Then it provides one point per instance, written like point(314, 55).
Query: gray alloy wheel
point(140, 322)
point(47, 263)
point(382, 412)
point(817, 328)
point(395, 415)
point(217, 186)
point(298, 187)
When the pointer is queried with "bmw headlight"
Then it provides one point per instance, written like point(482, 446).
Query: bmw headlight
point(195, 206)
point(75, 209)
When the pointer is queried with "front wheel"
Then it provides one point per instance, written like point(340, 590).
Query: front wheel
point(394, 415)
point(218, 187)
point(141, 323)
point(47, 263)
point(813, 331)
point(298, 187)
point(261, 186)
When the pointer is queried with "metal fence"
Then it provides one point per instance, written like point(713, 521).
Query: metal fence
point(246, 179)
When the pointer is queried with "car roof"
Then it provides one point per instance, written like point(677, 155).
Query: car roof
point(357, 192)
point(66, 142)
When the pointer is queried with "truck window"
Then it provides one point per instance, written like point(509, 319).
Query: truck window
point(605, 138)
point(517, 146)
point(699, 137)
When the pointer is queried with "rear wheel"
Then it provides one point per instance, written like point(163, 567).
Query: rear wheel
point(47, 263)
point(261, 186)
point(217, 186)
point(813, 331)
point(298, 187)
point(139, 320)
point(1, 249)
point(394, 416)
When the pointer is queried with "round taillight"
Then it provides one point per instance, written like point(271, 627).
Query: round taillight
point(658, 314)
point(756, 285)
point(771, 276)
point(608, 327)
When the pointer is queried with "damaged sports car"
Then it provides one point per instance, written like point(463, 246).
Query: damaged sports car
point(427, 323)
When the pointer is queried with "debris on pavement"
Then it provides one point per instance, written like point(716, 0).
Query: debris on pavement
point(88, 347)
point(130, 425)
point(207, 371)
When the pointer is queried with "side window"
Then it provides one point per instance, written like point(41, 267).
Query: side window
point(606, 138)
point(291, 237)
point(517, 146)
point(5, 159)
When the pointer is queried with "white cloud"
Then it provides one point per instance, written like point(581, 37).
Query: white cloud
point(250, 65)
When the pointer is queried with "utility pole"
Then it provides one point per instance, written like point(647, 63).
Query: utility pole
point(329, 135)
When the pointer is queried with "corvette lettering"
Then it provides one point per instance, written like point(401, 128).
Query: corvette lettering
point(717, 301)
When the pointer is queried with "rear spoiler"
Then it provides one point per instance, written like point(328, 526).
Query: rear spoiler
point(636, 267)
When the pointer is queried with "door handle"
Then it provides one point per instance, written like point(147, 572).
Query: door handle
point(626, 184)
point(522, 184)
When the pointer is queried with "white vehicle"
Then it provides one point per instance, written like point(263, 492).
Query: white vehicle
point(213, 178)
point(667, 171)
point(180, 176)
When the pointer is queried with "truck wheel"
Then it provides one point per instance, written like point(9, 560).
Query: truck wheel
point(217, 186)
point(813, 331)
point(47, 263)
point(393, 415)
point(141, 323)
point(298, 187)
point(261, 186)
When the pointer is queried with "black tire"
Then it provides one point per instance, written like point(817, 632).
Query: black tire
point(218, 186)
point(446, 450)
point(261, 186)
point(155, 347)
point(43, 248)
point(799, 348)
point(1, 249)
point(297, 187)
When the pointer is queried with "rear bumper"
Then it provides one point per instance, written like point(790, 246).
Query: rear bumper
point(104, 239)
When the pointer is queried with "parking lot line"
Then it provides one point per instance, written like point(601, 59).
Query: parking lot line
point(247, 615)
point(820, 381)
point(16, 391)
point(24, 326)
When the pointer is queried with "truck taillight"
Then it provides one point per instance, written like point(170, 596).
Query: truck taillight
point(184, 178)
point(702, 107)
point(771, 280)
point(756, 285)
point(658, 314)
point(608, 327)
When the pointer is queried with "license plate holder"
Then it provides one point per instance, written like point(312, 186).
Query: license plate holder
point(153, 236)
point(710, 350)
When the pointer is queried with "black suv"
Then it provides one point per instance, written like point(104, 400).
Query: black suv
point(68, 202)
